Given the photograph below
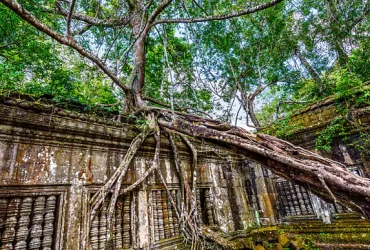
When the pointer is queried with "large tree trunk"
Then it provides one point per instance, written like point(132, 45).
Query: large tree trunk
point(140, 30)
point(326, 178)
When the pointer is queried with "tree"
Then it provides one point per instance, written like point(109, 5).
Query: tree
point(121, 30)
point(251, 54)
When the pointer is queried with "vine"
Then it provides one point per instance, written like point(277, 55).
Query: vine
point(336, 129)
point(284, 128)
point(351, 105)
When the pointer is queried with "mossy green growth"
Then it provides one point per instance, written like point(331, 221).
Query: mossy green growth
point(347, 122)
point(284, 128)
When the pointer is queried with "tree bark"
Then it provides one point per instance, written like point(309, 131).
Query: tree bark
point(337, 34)
point(294, 163)
point(248, 102)
point(315, 76)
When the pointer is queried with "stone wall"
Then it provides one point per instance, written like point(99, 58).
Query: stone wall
point(52, 162)
point(315, 118)
point(308, 123)
point(305, 126)
point(304, 217)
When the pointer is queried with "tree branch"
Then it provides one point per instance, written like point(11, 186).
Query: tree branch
point(155, 101)
point(121, 21)
point(158, 11)
point(359, 19)
point(287, 102)
point(220, 17)
point(69, 18)
point(308, 66)
point(248, 102)
point(82, 30)
point(69, 41)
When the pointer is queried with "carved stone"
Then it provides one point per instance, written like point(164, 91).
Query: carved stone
point(94, 233)
point(8, 235)
point(48, 231)
point(160, 215)
point(23, 223)
point(165, 215)
point(37, 219)
point(199, 207)
point(155, 216)
point(103, 227)
point(209, 208)
point(175, 220)
point(126, 221)
point(295, 201)
point(307, 201)
point(3, 206)
point(118, 224)
point(170, 220)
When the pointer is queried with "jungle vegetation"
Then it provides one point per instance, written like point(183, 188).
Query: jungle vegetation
point(194, 70)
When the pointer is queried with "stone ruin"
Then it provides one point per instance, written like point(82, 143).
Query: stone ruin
point(52, 161)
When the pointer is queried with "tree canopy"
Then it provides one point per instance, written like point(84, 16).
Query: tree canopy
point(284, 56)
point(194, 69)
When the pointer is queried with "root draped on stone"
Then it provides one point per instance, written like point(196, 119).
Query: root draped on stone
point(301, 166)
point(325, 177)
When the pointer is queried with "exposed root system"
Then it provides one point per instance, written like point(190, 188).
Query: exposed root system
point(325, 177)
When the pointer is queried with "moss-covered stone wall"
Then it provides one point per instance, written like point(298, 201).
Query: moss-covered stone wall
point(47, 152)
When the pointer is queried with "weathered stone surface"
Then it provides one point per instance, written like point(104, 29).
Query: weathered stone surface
point(69, 156)
point(283, 240)
point(277, 246)
point(259, 247)
point(265, 234)
point(298, 243)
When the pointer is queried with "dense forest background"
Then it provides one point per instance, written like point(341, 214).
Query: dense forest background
point(247, 71)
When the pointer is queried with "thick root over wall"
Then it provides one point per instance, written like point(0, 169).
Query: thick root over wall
point(327, 178)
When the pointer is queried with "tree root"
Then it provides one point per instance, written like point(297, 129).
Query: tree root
point(98, 198)
point(184, 184)
point(280, 156)
point(327, 188)
point(193, 205)
point(185, 188)
point(194, 230)
point(283, 157)
point(115, 182)
point(186, 212)
point(173, 204)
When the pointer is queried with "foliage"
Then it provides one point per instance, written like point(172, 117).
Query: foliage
point(176, 77)
point(349, 94)
point(341, 127)
point(244, 53)
point(336, 129)
point(200, 66)
point(331, 36)
point(283, 128)
point(32, 63)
